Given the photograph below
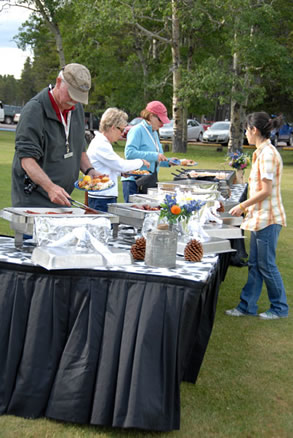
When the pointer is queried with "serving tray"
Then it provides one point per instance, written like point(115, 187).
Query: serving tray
point(213, 246)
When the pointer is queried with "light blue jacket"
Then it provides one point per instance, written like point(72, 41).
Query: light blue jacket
point(139, 144)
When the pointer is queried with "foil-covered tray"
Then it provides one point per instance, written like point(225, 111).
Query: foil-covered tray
point(69, 258)
point(22, 218)
point(213, 246)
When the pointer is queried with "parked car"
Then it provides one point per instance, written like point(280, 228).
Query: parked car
point(7, 112)
point(131, 124)
point(284, 133)
point(218, 132)
point(194, 130)
point(91, 121)
point(16, 117)
point(207, 124)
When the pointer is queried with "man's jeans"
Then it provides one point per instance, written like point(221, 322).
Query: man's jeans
point(101, 204)
point(262, 267)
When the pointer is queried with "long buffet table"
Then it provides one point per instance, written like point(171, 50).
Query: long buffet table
point(106, 346)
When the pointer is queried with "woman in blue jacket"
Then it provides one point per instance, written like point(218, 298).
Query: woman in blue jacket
point(143, 142)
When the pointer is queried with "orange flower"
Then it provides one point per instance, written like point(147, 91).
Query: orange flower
point(175, 209)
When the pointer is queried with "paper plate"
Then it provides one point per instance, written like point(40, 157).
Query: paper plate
point(136, 174)
point(194, 163)
point(91, 190)
point(176, 162)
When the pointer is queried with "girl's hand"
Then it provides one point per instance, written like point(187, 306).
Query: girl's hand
point(237, 210)
point(161, 157)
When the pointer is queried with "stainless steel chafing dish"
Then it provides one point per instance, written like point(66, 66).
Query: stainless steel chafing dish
point(212, 246)
point(228, 219)
point(223, 231)
point(154, 195)
point(197, 187)
point(205, 175)
point(22, 218)
point(129, 215)
point(134, 217)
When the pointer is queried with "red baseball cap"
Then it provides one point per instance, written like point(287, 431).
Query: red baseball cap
point(159, 109)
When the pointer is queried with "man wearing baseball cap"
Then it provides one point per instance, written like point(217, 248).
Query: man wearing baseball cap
point(143, 142)
point(50, 142)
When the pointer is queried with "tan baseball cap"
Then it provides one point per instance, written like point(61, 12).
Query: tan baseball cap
point(78, 80)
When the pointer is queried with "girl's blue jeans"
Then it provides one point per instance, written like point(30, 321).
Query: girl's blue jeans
point(262, 268)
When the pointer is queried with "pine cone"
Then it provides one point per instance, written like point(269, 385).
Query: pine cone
point(138, 249)
point(193, 251)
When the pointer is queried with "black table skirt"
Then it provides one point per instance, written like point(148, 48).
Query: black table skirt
point(103, 348)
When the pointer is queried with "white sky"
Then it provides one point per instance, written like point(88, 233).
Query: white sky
point(12, 59)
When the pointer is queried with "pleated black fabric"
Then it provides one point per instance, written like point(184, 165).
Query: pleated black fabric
point(100, 347)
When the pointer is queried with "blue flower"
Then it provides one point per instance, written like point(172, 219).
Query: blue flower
point(186, 209)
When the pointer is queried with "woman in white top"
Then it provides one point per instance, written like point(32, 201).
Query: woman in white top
point(106, 161)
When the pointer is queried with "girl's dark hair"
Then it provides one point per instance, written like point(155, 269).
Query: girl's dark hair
point(263, 123)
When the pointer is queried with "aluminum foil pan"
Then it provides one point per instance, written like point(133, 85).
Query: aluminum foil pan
point(62, 231)
point(70, 258)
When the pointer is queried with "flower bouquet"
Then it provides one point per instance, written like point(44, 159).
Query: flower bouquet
point(238, 160)
point(178, 210)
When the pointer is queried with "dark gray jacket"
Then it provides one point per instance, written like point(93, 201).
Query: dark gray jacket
point(41, 135)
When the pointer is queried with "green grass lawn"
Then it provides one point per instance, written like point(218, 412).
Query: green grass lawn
point(244, 388)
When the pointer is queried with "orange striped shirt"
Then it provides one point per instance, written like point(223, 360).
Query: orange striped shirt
point(266, 163)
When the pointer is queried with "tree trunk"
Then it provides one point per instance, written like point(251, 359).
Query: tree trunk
point(59, 44)
point(236, 133)
point(177, 144)
point(184, 122)
point(236, 127)
point(54, 28)
point(144, 65)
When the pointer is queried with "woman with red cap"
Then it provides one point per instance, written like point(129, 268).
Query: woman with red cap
point(143, 142)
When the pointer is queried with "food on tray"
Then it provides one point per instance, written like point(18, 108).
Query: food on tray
point(48, 212)
point(186, 162)
point(197, 174)
point(138, 172)
point(146, 207)
point(100, 182)
point(89, 210)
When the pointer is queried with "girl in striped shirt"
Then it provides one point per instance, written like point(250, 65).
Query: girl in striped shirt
point(264, 217)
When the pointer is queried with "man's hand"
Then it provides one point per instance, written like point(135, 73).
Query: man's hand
point(58, 195)
point(94, 173)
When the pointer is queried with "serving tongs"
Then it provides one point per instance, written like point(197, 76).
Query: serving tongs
point(83, 206)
